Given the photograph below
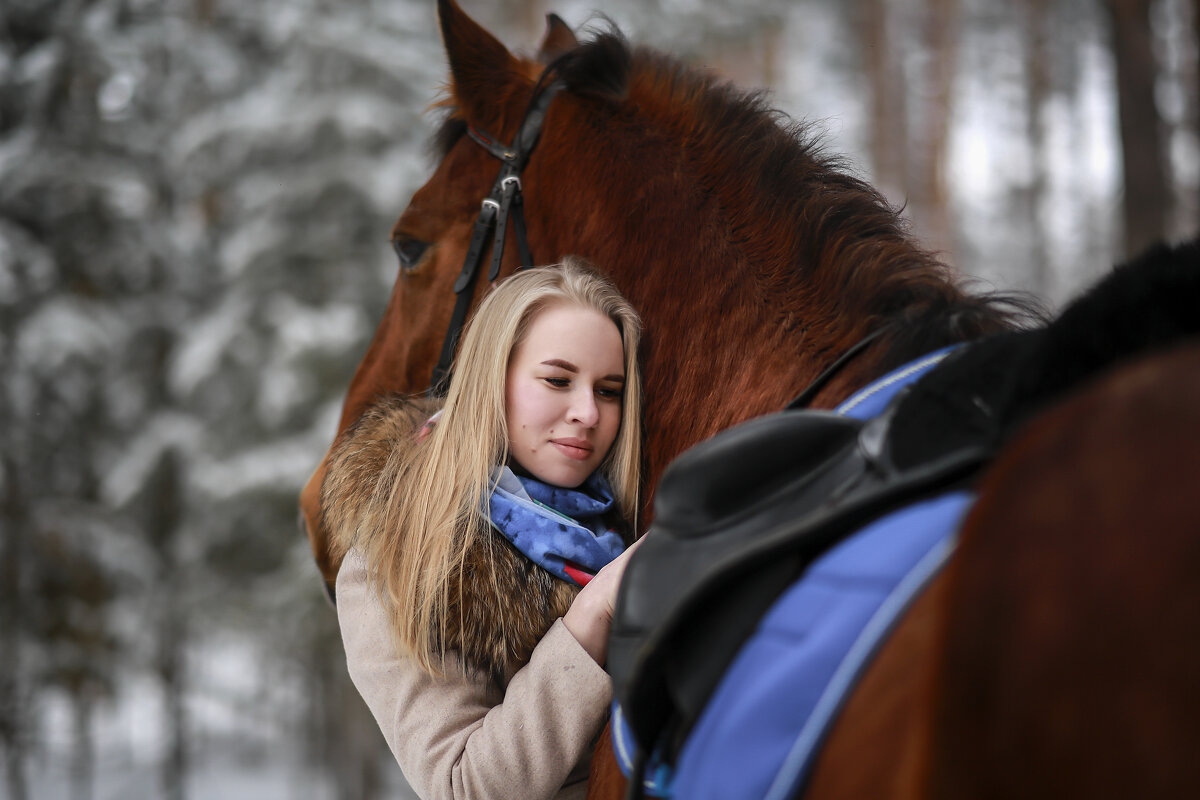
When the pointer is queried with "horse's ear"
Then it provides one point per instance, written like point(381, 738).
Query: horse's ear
point(481, 68)
point(559, 39)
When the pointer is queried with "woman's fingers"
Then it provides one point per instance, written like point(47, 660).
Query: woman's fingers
point(590, 615)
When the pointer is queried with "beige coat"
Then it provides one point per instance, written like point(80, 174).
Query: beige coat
point(462, 736)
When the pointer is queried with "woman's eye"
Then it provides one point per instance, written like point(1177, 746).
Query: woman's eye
point(558, 383)
point(609, 394)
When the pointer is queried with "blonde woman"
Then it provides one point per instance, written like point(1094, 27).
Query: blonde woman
point(484, 546)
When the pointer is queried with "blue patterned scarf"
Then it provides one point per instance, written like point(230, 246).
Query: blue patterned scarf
point(560, 530)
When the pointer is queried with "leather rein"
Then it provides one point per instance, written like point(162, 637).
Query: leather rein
point(821, 381)
point(504, 200)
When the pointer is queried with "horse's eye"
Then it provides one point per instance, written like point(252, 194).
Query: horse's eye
point(409, 251)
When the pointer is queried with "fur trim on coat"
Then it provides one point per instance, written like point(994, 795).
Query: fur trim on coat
point(505, 602)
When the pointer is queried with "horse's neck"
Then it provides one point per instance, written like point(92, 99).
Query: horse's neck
point(704, 378)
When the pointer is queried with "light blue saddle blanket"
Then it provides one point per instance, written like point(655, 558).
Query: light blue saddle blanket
point(762, 727)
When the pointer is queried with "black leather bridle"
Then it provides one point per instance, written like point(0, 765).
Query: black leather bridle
point(502, 201)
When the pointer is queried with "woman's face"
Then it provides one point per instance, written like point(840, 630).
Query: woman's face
point(563, 394)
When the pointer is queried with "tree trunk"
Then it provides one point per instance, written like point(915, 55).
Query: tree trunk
point(83, 761)
point(1037, 93)
point(1146, 201)
point(13, 729)
point(163, 525)
point(1192, 204)
point(889, 113)
point(531, 16)
point(772, 39)
point(171, 673)
point(344, 738)
point(931, 201)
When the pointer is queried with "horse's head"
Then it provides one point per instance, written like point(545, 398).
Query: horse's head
point(753, 258)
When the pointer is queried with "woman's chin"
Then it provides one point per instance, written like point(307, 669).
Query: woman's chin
point(565, 476)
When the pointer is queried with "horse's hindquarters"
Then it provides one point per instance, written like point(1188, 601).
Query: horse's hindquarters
point(1072, 640)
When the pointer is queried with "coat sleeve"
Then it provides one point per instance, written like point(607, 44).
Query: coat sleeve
point(459, 736)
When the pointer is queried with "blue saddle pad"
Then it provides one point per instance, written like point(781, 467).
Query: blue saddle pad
point(758, 735)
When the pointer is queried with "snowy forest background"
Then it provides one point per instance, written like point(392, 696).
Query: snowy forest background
point(195, 197)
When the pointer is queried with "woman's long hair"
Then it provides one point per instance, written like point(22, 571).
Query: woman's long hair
point(427, 514)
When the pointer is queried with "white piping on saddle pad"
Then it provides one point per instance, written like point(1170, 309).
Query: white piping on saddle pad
point(798, 760)
point(865, 394)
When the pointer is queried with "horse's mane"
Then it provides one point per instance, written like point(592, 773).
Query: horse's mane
point(812, 229)
point(775, 178)
point(1143, 305)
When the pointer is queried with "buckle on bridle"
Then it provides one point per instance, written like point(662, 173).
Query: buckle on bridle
point(493, 214)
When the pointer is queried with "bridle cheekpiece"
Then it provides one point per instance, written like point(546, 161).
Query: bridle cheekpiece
point(504, 200)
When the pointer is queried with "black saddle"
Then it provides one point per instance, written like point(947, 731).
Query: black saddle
point(738, 518)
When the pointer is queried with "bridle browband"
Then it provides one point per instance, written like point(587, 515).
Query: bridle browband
point(503, 200)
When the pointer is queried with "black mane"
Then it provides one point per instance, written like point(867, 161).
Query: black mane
point(1146, 304)
point(598, 67)
point(735, 138)
point(844, 242)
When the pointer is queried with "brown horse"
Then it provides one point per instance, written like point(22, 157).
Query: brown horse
point(755, 259)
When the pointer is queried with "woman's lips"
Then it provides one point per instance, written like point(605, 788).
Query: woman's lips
point(578, 449)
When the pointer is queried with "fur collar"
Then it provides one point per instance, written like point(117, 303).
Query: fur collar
point(505, 603)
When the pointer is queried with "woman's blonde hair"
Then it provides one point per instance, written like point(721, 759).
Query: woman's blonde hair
point(432, 515)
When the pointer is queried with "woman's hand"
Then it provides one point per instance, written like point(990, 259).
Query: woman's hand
point(590, 616)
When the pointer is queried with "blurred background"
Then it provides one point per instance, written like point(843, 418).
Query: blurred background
point(195, 198)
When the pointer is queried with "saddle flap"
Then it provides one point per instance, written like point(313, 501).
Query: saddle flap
point(737, 470)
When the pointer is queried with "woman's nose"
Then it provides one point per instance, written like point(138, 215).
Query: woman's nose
point(583, 408)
